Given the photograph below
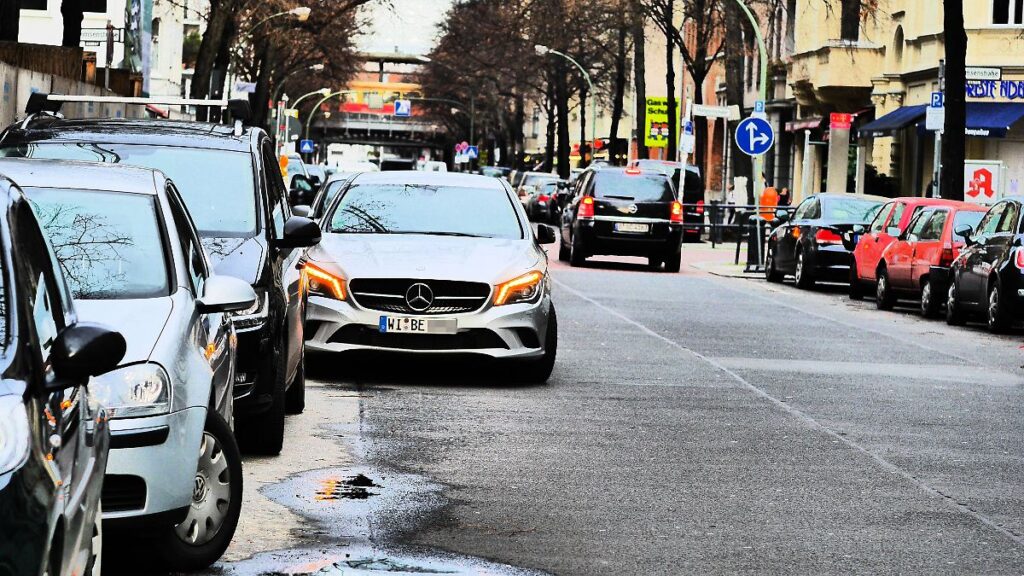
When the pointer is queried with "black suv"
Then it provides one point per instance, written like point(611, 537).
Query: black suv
point(53, 435)
point(232, 185)
point(623, 212)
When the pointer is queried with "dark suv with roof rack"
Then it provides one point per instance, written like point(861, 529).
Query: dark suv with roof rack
point(232, 185)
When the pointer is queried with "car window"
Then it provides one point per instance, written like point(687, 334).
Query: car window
point(644, 187)
point(916, 224)
point(1009, 222)
point(814, 209)
point(42, 282)
point(853, 210)
point(330, 193)
point(970, 218)
point(878, 224)
point(109, 244)
point(276, 193)
point(936, 223)
point(191, 247)
point(426, 209)
point(990, 223)
point(897, 214)
point(217, 185)
point(803, 209)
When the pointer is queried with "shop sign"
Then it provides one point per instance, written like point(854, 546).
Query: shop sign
point(996, 89)
point(982, 180)
point(656, 122)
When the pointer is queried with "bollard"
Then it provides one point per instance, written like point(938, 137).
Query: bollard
point(755, 244)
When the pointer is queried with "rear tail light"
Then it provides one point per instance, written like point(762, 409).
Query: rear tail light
point(828, 237)
point(949, 254)
point(1018, 259)
point(677, 212)
point(543, 197)
point(586, 209)
point(700, 207)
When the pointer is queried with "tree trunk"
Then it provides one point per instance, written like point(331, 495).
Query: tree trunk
point(72, 14)
point(258, 100)
point(640, 82)
point(562, 108)
point(954, 138)
point(734, 51)
point(618, 94)
point(583, 124)
point(518, 137)
point(551, 128)
point(670, 86)
point(700, 126)
point(10, 20)
point(213, 38)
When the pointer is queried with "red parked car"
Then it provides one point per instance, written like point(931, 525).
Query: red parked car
point(888, 224)
point(917, 264)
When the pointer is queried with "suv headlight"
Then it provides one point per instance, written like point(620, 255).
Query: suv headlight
point(525, 288)
point(134, 391)
point(14, 433)
point(255, 315)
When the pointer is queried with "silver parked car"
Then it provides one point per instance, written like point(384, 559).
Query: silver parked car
point(134, 261)
point(428, 263)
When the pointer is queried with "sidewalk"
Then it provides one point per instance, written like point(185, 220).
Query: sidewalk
point(718, 261)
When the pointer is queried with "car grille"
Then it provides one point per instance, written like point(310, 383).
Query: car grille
point(450, 297)
point(122, 493)
point(471, 339)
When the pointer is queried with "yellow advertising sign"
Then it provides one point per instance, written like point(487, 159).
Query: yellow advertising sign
point(656, 125)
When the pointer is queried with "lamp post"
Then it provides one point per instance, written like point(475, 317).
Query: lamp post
point(543, 51)
point(280, 85)
point(301, 14)
point(295, 106)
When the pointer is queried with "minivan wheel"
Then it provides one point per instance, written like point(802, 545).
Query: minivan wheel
point(954, 315)
point(654, 262)
point(263, 434)
point(930, 303)
point(204, 535)
point(564, 254)
point(674, 262)
point(998, 318)
point(885, 298)
point(295, 398)
point(576, 255)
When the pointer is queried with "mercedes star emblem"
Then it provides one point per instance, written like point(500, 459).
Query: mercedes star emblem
point(633, 208)
point(419, 297)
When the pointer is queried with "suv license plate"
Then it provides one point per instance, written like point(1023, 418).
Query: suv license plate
point(632, 228)
point(404, 325)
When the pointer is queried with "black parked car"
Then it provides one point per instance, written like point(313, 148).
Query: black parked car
point(988, 276)
point(692, 194)
point(810, 245)
point(231, 181)
point(624, 212)
point(53, 435)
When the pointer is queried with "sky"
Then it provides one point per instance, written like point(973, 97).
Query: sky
point(411, 25)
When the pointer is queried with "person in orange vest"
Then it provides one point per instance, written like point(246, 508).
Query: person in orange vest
point(769, 201)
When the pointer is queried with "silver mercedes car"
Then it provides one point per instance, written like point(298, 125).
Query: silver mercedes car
point(134, 261)
point(432, 263)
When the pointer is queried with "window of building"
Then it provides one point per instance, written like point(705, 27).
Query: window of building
point(897, 46)
point(33, 4)
point(850, 20)
point(1008, 12)
point(94, 6)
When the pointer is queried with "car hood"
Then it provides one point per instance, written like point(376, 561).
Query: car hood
point(139, 321)
point(238, 257)
point(490, 260)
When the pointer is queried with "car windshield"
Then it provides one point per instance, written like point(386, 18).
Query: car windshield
point(851, 210)
point(538, 179)
point(968, 217)
point(109, 244)
point(647, 187)
point(217, 185)
point(426, 209)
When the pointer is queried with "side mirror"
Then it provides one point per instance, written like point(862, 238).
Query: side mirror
point(545, 234)
point(964, 230)
point(225, 294)
point(782, 215)
point(893, 231)
point(301, 191)
point(303, 210)
point(299, 232)
point(83, 350)
point(858, 229)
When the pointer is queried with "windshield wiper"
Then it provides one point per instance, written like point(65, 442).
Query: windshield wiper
point(427, 233)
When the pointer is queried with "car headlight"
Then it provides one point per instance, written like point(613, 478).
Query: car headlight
point(14, 433)
point(525, 288)
point(323, 283)
point(255, 315)
point(134, 391)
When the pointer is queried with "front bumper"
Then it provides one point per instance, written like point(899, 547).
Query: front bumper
point(154, 472)
point(512, 331)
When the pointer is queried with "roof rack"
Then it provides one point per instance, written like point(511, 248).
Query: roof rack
point(50, 104)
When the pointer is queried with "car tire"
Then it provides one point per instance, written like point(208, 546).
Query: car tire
point(263, 434)
point(538, 371)
point(96, 547)
point(885, 298)
point(576, 255)
point(771, 273)
point(219, 476)
point(654, 263)
point(674, 262)
point(295, 398)
point(804, 277)
point(930, 303)
point(856, 286)
point(998, 316)
point(564, 254)
point(954, 315)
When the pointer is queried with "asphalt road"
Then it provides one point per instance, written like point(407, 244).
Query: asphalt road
point(694, 424)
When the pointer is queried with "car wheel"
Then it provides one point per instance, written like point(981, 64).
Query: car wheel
point(563, 251)
point(856, 287)
point(771, 273)
point(803, 274)
point(264, 433)
point(204, 535)
point(538, 371)
point(96, 547)
point(295, 398)
point(576, 255)
point(930, 303)
point(998, 318)
point(674, 262)
point(885, 298)
point(654, 263)
point(954, 315)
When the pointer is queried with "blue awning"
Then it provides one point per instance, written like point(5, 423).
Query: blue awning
point(893, 121)
point(988, 119)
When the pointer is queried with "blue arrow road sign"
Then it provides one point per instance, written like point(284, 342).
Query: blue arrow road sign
point(403, 108)
point(755, 136)
point(472, 152)
point(306, 147)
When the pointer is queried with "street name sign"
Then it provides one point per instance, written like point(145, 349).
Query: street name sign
point(713, 111)
point(755, 136)
point(979, 73)
point(403, 108)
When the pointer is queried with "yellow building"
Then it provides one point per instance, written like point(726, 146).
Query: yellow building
point(884, 66)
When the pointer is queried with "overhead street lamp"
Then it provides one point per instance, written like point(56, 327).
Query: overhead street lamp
point(280, 85)
point(301, 14)
point(295, 106)
point(544, 51)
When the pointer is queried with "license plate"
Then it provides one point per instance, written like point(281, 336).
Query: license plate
point(405, 325)
point(632, 228)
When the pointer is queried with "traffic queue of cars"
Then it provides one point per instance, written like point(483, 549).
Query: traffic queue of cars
point(180, 238)
point(965, 258)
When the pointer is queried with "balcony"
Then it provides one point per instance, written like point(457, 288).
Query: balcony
point(836, 75)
